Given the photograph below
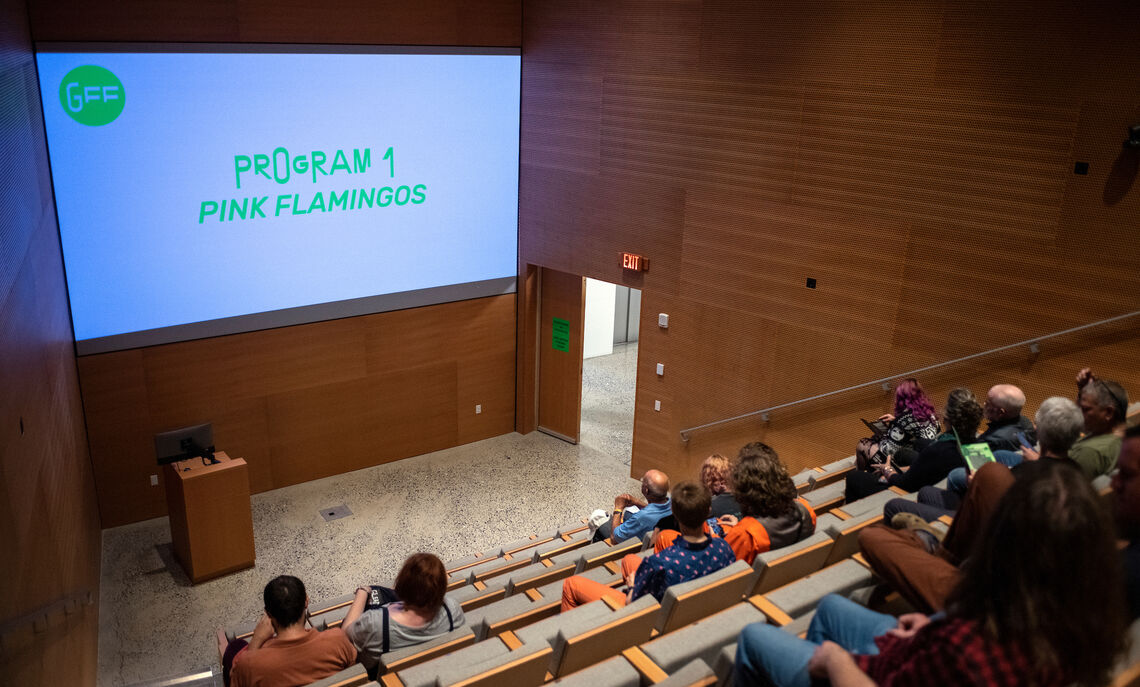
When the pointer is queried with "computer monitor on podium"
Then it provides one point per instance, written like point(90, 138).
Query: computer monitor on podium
point(196, 441)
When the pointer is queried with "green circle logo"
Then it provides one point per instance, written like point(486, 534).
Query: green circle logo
point(92, 95)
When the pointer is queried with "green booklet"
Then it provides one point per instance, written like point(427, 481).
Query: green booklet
point(975, 455)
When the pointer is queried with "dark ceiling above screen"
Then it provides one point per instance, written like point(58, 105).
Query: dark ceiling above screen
point(207, 190)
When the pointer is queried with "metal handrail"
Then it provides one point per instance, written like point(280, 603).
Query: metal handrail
point(1032, 343)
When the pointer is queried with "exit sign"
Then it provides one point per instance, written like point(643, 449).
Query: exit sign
point(634, 262)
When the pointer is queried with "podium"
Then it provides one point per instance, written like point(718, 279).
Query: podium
point(210, 521)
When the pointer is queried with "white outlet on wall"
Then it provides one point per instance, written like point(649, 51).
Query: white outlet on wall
point(154, 480)
point(478, 408)
point(657, 405)
point(660, 368)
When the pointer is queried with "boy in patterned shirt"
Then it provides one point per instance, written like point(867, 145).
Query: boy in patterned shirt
point(694, 554)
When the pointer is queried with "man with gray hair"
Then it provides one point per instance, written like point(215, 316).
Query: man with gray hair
point(1059, 425)
point(1003, 412)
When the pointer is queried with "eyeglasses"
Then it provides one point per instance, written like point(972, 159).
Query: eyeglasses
point(1119, 400)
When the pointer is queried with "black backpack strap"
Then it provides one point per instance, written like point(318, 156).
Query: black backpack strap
point(450, 622)
point(384, 647)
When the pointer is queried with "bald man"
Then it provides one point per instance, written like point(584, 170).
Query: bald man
point(656, 505)
point(1003, 411)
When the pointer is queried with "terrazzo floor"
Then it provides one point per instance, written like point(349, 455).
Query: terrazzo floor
point(153, 624)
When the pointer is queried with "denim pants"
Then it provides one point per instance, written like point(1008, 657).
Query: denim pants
point(766, 655)
point(956, 480)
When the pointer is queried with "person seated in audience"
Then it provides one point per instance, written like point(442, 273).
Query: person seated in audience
point(1004, 419)
point(772, 514)
point(1058, 424)
point(1105, 406)
point(913, 425)
point(282, 652)
point(914, 563)
point(716, 471)
point(692, 555)
point(716, 475)
point(416, 611)
point(634, 524)
point(1040, 604)
point(962, 416)
point(1126, 504)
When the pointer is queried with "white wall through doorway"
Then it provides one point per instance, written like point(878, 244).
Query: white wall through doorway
point(598, 328)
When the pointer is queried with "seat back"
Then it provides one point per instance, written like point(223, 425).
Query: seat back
point(777, 568)
point(846, 534)
point(577, 648)
point(398, 660)
point(352, 676)
point(690, 601)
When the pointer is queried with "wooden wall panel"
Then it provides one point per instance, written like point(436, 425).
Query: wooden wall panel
point(303, 402)
point(561, 296)
point(431, 22)
point(49, 522)
point(917, 159)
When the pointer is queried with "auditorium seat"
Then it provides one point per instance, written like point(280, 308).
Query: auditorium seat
point(507, 614)
point(495, 567)
point(805, 479)
point(835, 471)
point(587, 641)
point(703, 639)
point(487, 662)
point(351, 676)
point(602, 574)
point(876, 501)
point(567, 542)
point(546, 631)
point(777, 568)
point(473, 596)
point(530, 542)
point(460, 564)
point(401, 659)
point(724, 664)
point(695, 673)
point(824, 498)
point(689, 601)
point(614, 672)
point(801, 596)
point(538, 574)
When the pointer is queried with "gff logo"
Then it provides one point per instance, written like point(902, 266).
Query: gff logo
point(92, 95)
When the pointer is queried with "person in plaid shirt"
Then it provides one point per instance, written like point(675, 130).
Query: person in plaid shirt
point(1040, 603)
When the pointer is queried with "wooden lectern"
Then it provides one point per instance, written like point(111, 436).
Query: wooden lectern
point(210, 522)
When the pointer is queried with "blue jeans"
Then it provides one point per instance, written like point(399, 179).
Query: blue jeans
point(766, 655)
point(956, 480)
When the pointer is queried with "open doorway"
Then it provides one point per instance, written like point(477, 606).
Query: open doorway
point(609, 368)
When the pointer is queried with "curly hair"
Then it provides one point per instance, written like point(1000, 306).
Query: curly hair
point(715, 473)
point(963, 413)
point(910, 398)
point(761, 483)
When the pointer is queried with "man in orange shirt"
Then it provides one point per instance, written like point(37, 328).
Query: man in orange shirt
point(282, 652)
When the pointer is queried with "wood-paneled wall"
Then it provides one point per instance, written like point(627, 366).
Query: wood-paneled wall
point(49, 524)
point(304, 402)
point(915, 159)
point(369, 22)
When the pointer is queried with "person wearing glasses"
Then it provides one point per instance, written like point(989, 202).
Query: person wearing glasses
point(1104, 405)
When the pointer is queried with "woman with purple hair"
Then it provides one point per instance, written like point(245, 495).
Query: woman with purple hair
point(913, 425)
